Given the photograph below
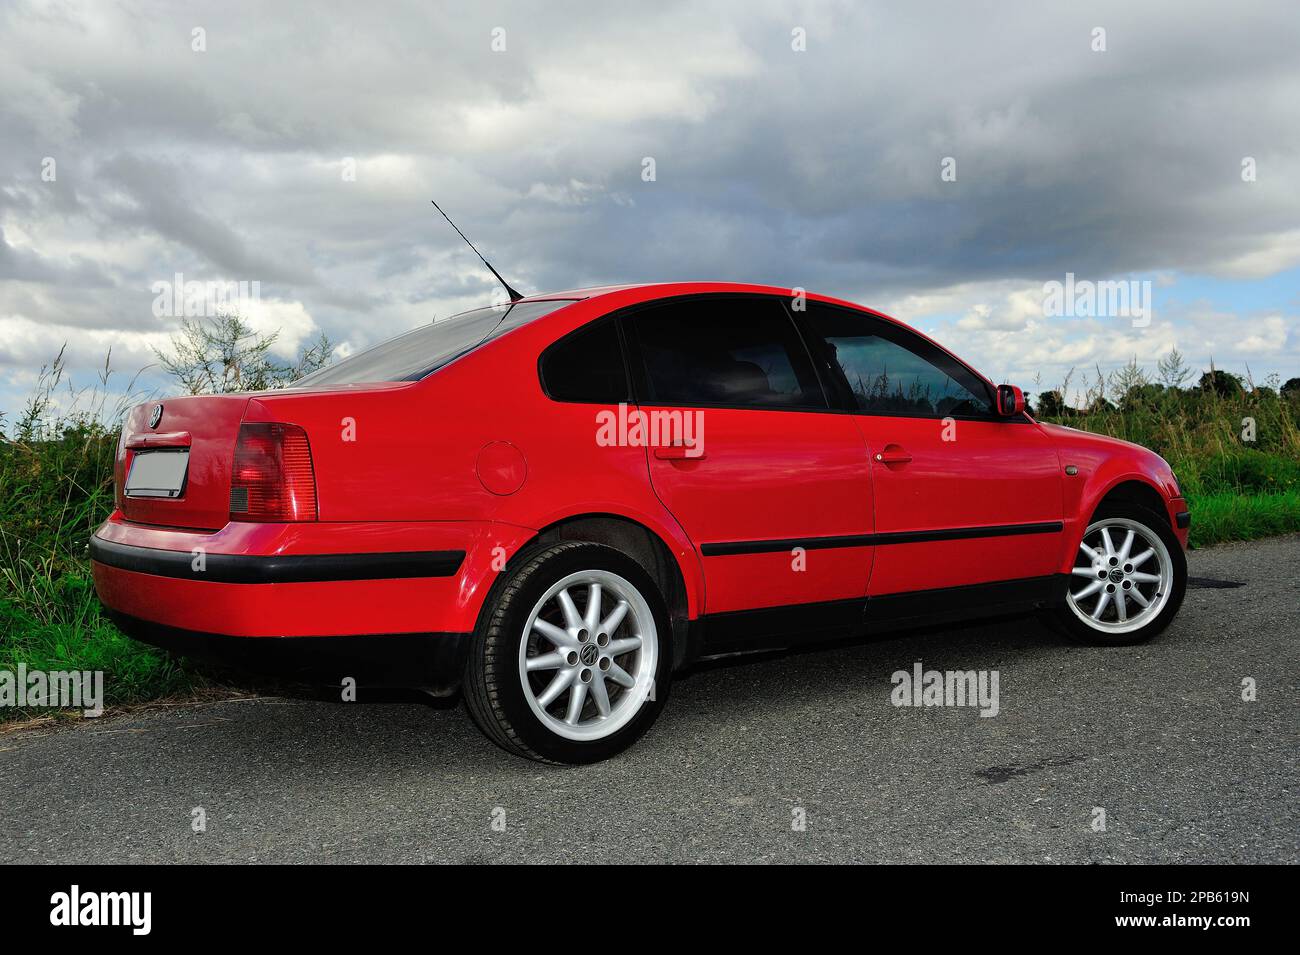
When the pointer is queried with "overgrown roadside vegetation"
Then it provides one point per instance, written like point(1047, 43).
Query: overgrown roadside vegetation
point(1234, 444)
point(56, 487)
point(1235, 447)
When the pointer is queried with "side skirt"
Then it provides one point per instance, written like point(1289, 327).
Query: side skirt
point(799, 624)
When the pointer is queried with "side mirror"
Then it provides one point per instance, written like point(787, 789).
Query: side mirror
point(1011, 401)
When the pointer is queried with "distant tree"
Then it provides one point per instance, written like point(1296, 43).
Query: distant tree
point(223, 355)
point(1222, 383)
point(1099, 405)
point(1124, 380)
point(1291, 388)
point(1139, 396)
point(1051, 404)
point(1173, 370)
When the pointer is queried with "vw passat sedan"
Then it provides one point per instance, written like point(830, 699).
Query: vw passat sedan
point(552, 506)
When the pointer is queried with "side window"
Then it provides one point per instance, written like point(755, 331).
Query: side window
point(586, 366)
point(891, 371)
point(739, 352)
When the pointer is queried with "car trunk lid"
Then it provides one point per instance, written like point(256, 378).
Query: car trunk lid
point(174, 461)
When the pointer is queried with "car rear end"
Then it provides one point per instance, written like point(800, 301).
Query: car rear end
point(335, 529)
point(226, 543)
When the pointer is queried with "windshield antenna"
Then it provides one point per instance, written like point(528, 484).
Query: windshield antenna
point(514, 296)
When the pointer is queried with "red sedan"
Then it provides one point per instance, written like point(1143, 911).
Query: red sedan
point(551, 506)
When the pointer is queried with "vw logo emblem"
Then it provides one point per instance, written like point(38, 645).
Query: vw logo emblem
point(155, 415)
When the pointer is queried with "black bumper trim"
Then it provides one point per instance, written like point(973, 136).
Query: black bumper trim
point(1183, 519)
point(728, 548)
point(432, 662)
point(279, 569)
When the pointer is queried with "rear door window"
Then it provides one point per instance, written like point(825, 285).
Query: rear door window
point(735, 351)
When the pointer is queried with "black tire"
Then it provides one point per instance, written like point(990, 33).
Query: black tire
point(1065, 619)
point(493, 689)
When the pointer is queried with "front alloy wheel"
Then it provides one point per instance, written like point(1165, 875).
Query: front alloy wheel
point(1122, 577)
point(1128, 579)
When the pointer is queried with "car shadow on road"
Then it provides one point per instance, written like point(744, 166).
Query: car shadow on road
point(396, 731)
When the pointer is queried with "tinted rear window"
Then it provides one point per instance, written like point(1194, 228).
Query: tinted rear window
point(424, 350)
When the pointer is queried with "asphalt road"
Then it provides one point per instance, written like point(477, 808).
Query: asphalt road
point(1158, 736)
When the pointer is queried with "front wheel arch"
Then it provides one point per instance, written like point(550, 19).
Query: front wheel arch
point(1134, 493)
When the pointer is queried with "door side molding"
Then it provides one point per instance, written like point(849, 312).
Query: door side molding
point(725, 548)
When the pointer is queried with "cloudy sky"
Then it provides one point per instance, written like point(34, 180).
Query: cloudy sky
point(798, 144)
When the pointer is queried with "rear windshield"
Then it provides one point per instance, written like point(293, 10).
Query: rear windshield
point(424, 350)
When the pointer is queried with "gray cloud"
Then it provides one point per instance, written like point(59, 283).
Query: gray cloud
point(818, 169)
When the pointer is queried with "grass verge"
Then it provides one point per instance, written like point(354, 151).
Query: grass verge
point(1217, 518)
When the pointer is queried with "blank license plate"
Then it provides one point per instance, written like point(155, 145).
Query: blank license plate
point(157, 473)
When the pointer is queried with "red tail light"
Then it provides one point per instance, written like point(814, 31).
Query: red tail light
point(273, 479)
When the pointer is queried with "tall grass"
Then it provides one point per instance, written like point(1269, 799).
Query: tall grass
point(56, 487)
point(1234, 445)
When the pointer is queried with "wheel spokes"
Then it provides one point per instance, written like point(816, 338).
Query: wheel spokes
point(1091, 589)
point(572, 619)
point(561, 638)
point(557, 686)
point(1101, 605)
point(620, 676)
point(593, 609)
point(625, 645)
point(599, 693)
point(577, 697)
point(610, 623)
point(545, 661)
point(1128, 545)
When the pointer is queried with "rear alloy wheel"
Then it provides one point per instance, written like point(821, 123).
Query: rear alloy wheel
point(571, 661)
point(1128, 579)
point(586, 675)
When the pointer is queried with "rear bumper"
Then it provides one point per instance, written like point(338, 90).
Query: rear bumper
point(278, 568)
point(432, 662)
point(303, 580)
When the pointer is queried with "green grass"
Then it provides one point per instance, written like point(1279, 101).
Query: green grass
point(1229, 516)
point(133, 672)
point(56, 487)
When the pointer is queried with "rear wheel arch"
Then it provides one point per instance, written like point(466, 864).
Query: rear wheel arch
point(641, 544)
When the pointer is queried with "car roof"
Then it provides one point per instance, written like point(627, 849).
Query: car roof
point(676, 288)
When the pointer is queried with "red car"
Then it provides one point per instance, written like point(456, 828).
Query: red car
point(551, 506)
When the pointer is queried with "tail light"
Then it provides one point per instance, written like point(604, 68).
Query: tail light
point(273, 478)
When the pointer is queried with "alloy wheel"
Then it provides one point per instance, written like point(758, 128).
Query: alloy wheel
point(587, 673)
point(1122, 577)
